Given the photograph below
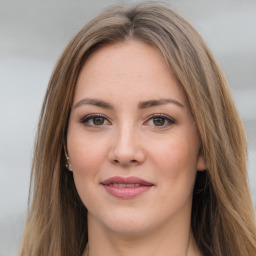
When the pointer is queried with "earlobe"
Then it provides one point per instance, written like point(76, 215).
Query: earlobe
point(68, 165)
point(201, 165)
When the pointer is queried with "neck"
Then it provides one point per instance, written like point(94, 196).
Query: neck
point(160, 242)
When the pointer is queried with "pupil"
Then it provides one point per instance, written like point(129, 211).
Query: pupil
point(159, 121)
point(98, 120)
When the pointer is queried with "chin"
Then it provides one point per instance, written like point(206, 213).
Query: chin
point(126, 222)
point(129, 228)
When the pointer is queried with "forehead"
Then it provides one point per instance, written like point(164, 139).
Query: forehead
point(127, 55)
point(130, 67)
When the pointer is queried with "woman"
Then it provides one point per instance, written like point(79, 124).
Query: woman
point(140, 149)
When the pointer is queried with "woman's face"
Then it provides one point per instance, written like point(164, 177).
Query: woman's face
point(132, 141)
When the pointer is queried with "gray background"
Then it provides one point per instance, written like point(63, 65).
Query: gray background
point(32, 36)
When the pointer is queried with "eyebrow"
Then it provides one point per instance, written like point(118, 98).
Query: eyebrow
point(153, 103)
point(95, 102)
point(141, 105)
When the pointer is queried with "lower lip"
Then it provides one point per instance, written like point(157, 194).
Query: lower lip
point(126, 193)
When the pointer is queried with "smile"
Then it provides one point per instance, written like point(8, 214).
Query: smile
point(121, 185)
point(126, 187)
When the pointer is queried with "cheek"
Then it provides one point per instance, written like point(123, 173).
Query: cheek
point(177, 156)
point(86, 156)
point(176, 166)
point(86, 153)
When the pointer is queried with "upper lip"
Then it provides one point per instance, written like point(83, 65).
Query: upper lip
point(126, 180)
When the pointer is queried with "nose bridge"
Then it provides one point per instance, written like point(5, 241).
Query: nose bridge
point(126, 137)
point(126, 147)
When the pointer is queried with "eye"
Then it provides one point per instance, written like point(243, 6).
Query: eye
point(160, 120)
point(95, 120)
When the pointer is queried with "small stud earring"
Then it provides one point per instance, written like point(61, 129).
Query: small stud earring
point(69, 166)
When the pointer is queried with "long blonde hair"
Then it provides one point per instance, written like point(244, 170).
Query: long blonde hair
point(222, 220)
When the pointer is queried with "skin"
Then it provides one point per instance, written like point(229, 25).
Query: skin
point(128, 141)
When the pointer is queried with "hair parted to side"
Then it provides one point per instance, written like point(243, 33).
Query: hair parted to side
point(223, 220)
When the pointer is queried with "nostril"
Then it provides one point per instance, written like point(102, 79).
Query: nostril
point(131, 161)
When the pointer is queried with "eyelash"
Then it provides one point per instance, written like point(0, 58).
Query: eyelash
point(85, 120)
point(167, 120)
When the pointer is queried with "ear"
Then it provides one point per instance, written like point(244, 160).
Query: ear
point(201, 166)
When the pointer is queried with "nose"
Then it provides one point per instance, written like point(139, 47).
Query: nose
point(126, 148)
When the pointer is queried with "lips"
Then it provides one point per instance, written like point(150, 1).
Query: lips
point(126, 187)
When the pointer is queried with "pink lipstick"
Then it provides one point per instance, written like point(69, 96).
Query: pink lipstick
point(126, 187)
